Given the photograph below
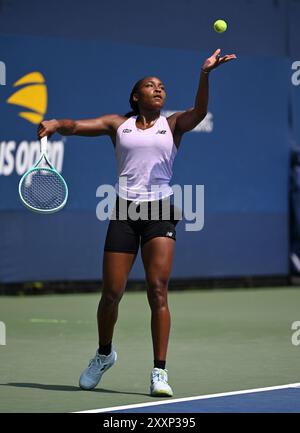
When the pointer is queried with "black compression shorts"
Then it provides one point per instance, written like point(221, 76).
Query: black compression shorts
point(132, 222)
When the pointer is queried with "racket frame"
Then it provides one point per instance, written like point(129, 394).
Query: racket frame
point(43, 147)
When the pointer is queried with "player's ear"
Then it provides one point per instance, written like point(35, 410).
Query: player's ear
point(135, 97)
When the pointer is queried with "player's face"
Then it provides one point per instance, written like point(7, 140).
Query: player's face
point(151, 94)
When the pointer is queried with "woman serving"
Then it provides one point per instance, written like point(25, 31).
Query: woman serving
point(146, 144)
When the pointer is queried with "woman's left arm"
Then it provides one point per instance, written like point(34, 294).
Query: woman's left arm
point(188, 120)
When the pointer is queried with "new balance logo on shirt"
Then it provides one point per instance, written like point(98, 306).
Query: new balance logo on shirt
point(161, 131)
point(126, 131)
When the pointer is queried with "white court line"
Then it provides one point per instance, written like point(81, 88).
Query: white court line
point(199, 397)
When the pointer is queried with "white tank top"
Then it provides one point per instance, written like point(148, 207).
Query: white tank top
point(144, 160)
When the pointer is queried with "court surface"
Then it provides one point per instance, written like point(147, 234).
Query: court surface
point(276, 399)
point(226, 347)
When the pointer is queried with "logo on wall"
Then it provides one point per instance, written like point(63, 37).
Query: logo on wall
point(17, 157)
point(32, 96)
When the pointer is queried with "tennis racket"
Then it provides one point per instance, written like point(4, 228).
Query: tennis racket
point(42, 189)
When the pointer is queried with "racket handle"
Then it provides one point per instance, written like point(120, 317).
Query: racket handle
point(44, 145)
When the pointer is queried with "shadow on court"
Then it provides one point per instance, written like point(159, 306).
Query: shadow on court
point(67, 388)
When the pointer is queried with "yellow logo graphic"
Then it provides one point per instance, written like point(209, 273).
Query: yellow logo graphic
point(32, 96)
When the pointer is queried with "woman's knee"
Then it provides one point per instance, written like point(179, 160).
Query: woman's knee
point(111, 296)
point(158, 294)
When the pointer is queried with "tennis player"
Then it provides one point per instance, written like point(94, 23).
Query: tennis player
point(146, 144)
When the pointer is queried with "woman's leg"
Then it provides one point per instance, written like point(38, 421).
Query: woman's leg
point(157, 256)
point(116, 267)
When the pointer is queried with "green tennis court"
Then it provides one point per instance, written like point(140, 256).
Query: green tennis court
point(221, 340)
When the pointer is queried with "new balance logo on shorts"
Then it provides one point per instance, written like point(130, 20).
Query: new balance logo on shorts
point(127, 131)
point(169, 234)
point(161, 131)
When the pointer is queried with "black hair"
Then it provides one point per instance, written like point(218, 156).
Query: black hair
point(133, 104)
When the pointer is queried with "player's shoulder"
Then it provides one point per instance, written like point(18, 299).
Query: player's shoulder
point(171, 118)
point(116, 117)
point(114, 120)
point(173, 114)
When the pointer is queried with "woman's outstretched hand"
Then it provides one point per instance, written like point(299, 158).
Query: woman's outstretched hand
point(216, 60)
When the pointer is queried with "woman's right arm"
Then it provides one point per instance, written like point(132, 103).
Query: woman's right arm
point(104, 125)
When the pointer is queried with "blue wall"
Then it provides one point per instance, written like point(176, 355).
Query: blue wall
point(243, 162)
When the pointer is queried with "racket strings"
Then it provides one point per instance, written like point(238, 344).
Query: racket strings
point(43, 189)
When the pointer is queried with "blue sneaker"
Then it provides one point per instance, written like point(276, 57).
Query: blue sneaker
point(91, 376)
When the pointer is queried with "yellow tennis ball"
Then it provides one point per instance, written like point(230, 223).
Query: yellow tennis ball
point(220, 26)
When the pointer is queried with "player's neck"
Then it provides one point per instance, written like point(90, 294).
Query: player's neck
point(147, 118)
